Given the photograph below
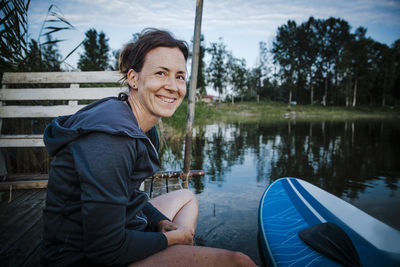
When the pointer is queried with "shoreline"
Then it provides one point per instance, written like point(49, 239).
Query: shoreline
point(274, 112)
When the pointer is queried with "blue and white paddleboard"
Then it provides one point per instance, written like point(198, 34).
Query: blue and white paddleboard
point(290, 205)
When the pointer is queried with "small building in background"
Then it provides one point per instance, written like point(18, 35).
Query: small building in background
point(208, 99)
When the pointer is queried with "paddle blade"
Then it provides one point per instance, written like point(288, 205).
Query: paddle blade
point(331, 241)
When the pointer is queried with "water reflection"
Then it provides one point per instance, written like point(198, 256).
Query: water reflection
point(355, 160)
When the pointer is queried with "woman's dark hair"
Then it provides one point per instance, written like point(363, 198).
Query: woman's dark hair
point(132, 57)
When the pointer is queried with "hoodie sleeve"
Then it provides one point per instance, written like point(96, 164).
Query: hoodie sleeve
point(103, 162)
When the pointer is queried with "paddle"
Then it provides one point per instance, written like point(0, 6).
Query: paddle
point(331, 241)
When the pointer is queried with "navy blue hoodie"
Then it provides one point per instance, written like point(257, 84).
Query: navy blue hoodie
point(94, 208)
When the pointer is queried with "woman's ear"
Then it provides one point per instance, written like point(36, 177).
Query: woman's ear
point(132, 79)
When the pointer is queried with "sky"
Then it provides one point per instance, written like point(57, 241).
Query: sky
point(240, 24)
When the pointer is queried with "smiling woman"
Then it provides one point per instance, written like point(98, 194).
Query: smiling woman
point(95, 212)
point(158, 89)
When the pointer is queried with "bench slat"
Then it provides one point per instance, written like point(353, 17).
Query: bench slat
point(61, 77)
point(38, 111)
point(34, 140)
point(23, 184)
point(59, 93)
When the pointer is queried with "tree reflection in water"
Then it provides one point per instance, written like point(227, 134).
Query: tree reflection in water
point(355, 160)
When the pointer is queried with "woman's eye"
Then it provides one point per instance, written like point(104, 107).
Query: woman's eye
point(160, 73)
point(181, 77)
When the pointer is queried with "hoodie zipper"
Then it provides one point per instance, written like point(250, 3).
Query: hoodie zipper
point(152, 146)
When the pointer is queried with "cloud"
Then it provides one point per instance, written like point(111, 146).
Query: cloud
point(124, 14)
point(247, 22)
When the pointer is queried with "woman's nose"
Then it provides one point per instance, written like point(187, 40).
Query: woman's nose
point(172, 84)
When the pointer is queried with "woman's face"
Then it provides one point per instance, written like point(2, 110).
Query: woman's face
point(160, 85)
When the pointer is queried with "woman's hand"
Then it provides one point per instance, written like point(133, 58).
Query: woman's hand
point(166, 226)
point(181, 235)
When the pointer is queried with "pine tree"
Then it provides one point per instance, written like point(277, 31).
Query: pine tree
point(44, 57)
point(115, 56)
point(96, 54)
point(33, 60)
point(395, 91)
point(50, 56)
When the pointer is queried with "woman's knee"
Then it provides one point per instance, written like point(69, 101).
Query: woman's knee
point(241, 259)
point(235, 258)
point(190, 195)
point(187, 196)
point(187, 193)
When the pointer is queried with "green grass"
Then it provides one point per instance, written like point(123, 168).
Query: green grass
point(274, 111)
point(203, 114)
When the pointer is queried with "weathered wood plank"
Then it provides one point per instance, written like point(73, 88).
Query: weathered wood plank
point(17, 197)
point(21, 197)
point(22, 248)
point(22, 224)
point(33, 258)
point(90, 93)
point(38, 111)
point(61, 77)
point(3, 196)
point(21, 141)
point(21, 227)
point(22, 213)
point(34, 140)
point(27, 176)
point(33, 184)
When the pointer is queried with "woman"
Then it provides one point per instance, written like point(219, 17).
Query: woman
point(95, 213)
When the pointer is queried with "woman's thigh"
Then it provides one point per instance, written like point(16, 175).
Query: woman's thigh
point(183, 255)
point(171, 203)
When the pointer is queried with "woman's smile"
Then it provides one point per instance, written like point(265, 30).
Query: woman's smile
point(167, 99)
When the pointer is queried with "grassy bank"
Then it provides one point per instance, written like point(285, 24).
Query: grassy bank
point(274, 110)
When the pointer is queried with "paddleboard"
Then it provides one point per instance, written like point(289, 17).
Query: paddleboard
point(290, 205)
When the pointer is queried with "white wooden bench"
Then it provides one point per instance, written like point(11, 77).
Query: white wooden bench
point(73, 94)
point(34, 89)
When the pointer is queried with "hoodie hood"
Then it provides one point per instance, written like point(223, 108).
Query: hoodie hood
point(107, 115)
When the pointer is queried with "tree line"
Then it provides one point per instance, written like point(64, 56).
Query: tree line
point(317, 62)
point(322, 61)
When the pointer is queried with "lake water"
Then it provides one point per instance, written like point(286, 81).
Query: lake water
point(358, 161)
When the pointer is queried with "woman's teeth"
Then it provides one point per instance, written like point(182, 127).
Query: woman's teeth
point(168, 100)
